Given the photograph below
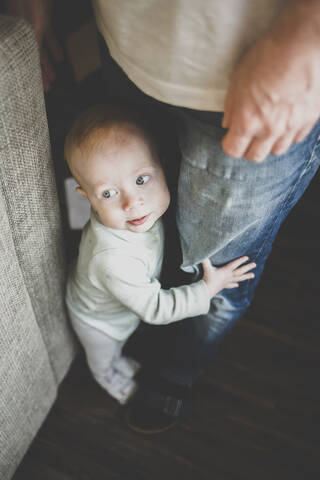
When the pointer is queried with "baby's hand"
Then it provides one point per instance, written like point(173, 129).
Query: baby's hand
point(227, 276)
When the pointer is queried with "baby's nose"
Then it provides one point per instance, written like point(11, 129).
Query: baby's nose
point(132, 201)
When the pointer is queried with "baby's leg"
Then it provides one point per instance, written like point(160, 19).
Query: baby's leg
point(103, 353)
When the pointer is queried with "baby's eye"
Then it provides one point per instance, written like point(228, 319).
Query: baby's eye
point(142, 179)
point(109, 193)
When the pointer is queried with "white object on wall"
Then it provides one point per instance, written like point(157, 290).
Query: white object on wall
point(78, 207)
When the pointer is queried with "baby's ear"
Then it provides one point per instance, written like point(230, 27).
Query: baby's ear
point(82, 192)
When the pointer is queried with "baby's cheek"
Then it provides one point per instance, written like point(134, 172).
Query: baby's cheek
point(105, 217)
point(166, 200)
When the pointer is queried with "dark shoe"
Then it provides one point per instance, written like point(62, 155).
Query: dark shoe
point(143, 419)
point(159, 407)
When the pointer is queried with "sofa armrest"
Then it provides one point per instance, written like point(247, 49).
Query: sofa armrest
point(36, 343)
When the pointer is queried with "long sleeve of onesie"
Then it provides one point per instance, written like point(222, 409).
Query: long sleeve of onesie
point(126, 279)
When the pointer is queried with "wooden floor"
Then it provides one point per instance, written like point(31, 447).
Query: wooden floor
point(257, 410)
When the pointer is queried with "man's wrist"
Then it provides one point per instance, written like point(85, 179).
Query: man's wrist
point(298, 22)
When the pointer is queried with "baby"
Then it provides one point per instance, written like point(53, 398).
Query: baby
point(114, 284)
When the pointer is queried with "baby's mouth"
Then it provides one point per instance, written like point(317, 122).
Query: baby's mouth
point(138, 221)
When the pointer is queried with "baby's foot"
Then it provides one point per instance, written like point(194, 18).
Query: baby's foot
point(119, 386)
point(127, 366)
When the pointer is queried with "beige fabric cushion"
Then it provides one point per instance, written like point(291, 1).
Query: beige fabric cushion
point(36, 345)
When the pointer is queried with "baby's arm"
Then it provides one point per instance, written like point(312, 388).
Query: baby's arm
point(127, 279)
point(227, 276)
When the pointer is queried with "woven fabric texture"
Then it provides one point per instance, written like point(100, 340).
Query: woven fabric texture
point(36, 343)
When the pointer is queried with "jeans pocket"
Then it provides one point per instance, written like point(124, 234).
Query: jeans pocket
point(200, 146)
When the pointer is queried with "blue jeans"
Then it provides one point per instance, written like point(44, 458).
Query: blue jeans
point(226, 208)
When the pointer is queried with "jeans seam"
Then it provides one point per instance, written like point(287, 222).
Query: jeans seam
point(312, 154)
point(291, 193)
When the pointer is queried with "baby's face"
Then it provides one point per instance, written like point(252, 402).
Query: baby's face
point(125, 185)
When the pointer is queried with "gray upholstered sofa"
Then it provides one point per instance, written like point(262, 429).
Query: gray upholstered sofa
point(36, 345)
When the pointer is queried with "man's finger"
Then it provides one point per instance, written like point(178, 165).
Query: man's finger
point(259, 149)
point(225, 120)
point(235, 144)
point(303, 132)
point(283, 144)
point(227, 111)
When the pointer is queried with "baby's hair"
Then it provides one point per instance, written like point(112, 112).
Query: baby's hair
point(94, 124)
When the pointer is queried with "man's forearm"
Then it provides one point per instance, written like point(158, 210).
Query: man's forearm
point(298, 19)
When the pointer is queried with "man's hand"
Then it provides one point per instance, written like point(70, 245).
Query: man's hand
point(228, 276)
point(38, 13)
point(274, 95)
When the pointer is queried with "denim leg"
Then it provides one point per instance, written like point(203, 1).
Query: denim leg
point(227, 208)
